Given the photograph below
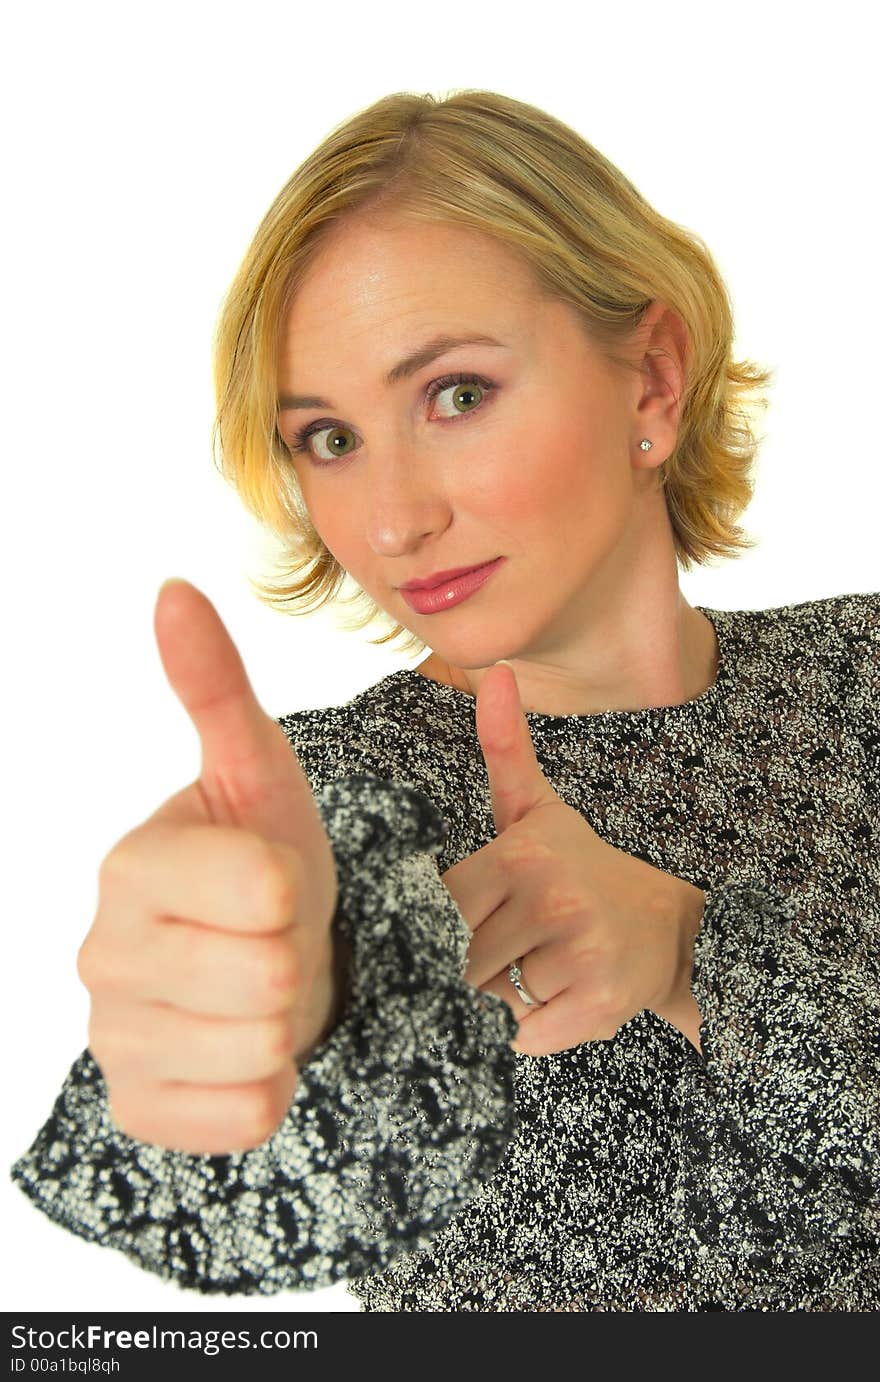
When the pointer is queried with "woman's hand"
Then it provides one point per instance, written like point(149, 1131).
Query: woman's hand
point(210, 962)
point(599, 934)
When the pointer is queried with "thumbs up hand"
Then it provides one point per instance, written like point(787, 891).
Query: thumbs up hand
point(598, 934)
point(210, 963)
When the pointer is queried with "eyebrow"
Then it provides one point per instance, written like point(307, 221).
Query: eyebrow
point(410, 364)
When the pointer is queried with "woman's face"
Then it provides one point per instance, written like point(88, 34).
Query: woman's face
point(529, 458)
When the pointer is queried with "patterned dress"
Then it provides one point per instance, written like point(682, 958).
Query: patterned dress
point(433, 1168)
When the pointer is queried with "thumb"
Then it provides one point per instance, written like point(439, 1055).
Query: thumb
point(250, 775)
point(516, 781)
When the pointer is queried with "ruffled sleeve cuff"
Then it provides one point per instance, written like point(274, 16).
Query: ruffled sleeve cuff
point(398, 1119)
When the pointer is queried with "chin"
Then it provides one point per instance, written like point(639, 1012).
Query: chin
point(470, 660)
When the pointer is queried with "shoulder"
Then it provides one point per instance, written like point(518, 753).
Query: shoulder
point(837, 637)
point(375, 733)
point(807, 655)
point(828, 615)
point(846, 628)
point(860, 657)
point(835, 625)
point(334, 741)
point(403, 729)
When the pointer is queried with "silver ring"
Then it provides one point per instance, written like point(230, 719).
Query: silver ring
point(514, 974)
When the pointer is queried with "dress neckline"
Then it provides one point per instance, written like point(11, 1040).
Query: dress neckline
point(706, 703)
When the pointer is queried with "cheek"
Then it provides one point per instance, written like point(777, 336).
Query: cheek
point(328, 520)
point(587, 469)
point(554, 477)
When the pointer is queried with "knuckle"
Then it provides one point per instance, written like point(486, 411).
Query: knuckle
point(523, 849)
point(584, 956)
point(278, 1038)
point(278, 885)
point(270, 1045)
point(276, 973)
point(84, 962)
point(260, 1114)
point(98, 967)
point(604, 1012)
point(116, 865)
point(601, 1001)
point(562, 903)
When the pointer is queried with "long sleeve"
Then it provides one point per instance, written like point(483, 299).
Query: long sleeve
point(780, 1121)
point(398, 1118)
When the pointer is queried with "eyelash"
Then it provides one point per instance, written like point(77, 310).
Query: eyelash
point(299, 444)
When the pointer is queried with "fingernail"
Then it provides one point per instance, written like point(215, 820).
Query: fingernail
point(171, 581)
point(502, 662)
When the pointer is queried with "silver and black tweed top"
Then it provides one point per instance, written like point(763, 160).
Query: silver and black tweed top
point(433, 1168)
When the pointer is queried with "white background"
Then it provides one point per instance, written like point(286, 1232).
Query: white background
point(142, 149)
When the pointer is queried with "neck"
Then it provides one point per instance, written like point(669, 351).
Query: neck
point(698, 657)
point(628, 641)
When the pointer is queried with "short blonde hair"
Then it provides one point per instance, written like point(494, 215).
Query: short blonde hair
point(505, 168)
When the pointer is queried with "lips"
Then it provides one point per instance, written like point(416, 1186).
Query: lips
point(444, 577)
point(449, 593)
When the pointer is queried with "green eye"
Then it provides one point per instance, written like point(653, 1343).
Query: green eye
point(460, 389)
point(334, 433)
point(462, 384)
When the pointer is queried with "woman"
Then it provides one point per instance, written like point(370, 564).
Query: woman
point(595, 1025)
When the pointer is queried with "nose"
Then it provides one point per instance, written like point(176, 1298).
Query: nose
point(406, 500)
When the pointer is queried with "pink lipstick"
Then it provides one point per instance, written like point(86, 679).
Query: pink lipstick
point(450, 591)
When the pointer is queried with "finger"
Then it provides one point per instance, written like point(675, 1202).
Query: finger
point(154, 1042)
point(218, 974)
point(502, 938)
point(502, 985)
point(204, 1120)
point(563, 1023)
point(250, 773)
point(516, 782)
point(197, 968)
point(217, 875)
point(478, 884)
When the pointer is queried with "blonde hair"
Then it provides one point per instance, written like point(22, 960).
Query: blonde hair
point(505, 168)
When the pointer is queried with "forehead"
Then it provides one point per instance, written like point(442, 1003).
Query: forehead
point(401, 279)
